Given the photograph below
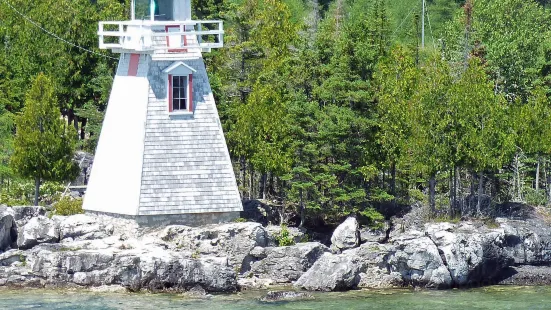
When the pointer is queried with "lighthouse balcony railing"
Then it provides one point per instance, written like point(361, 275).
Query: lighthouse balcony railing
point(151, 36)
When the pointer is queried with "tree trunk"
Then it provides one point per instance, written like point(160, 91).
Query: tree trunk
point(432, 192)
point(538, 174)
point(302, 209)
point(450, 184)
point(243, 164)
point(263, 184)
point(517, 176)
point(251, 182)
point(472, 195)
point(75, 124)
point(393, 183)
point(548, 175)
point(480, 189)
point(36, 190)
point(83, 129)
point(70, 117)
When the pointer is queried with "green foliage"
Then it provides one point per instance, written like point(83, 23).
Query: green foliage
point(43, 145)
point(23, 260)
point(240, 220)
point(535, 197)
point(284, 237)
point(68, 206)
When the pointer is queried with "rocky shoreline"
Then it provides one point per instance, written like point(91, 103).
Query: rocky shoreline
point(94, 251)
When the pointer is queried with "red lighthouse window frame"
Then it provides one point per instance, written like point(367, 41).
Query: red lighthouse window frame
point(179, 77)
point(180, 93)
point(184, 39)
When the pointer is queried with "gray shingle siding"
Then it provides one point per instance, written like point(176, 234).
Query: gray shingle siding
point(186, 164)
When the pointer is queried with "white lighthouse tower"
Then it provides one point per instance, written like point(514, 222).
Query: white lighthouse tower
point(162, 156)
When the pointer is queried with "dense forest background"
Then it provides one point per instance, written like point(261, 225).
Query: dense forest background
point(330, 108)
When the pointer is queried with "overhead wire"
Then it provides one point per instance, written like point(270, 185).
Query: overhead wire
point(430, 29)
point(403, 20)
point(53, 34)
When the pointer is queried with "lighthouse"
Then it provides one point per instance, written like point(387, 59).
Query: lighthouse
point(162, 157)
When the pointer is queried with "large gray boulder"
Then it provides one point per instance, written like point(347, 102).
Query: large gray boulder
point(38, 230)
point(233, 241)
point(417, 259)
point(8, 228)
point(23, 214)
point(286, 264)
point(346, 235)
point(527, 241)
point(90, 227)
point(333, 272)
point(473, 254)
point(154, 269)
point(379, 273)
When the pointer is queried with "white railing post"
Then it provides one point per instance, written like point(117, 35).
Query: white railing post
point(121, 33)
point(182, 39)
point(199, 36)
point(221, 35)
point(101, 35)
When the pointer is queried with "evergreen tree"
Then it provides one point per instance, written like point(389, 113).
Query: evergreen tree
point(43, 145)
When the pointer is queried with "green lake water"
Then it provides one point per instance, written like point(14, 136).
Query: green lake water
point(495, 297)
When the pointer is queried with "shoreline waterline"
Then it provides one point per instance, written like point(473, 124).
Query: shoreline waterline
point(490, 297)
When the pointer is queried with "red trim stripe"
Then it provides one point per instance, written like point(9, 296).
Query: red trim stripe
point(190, 93)
point(133, 66)
point(169, 93)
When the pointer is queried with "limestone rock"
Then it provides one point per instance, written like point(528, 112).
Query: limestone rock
point(333, 272)
point(234, 241)
point(379, 272)
point(135, 269)
point(89, 227)
point(527, 241)
point(38, 230)
point(287, 264)
point(417, 259)
point(285, 295)
point(372, 235)
point(346, 235)
point(24, 214)
point(473, 254)
point(8, 228)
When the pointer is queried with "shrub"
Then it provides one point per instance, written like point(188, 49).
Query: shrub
point(284, 237)
point(535, 198)
point(67, 206)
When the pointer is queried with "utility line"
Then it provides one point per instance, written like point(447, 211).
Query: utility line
point(430, 29)
point(403, 21)
point(53, 34)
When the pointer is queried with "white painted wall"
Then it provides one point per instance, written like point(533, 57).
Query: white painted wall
point(115, 180)
point(182, 10)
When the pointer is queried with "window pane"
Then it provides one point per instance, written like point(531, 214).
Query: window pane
point(183, 104)
point(163, 9)
point(175, 94)
point(175, 81)
point(175, 104)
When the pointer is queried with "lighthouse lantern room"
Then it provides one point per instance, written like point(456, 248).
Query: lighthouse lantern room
point(162, 157)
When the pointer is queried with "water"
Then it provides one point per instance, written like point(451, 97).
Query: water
point(496, 297)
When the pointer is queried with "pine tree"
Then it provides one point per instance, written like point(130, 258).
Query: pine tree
point(43, 145)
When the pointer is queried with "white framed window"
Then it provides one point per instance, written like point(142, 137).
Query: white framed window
point(180, 88)
point(180, 94)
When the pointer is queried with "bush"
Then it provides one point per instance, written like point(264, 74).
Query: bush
point(284, 238)
point(535, 198)
point(67, 206)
